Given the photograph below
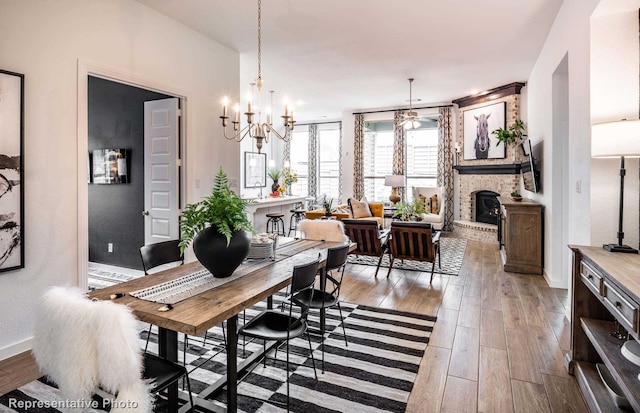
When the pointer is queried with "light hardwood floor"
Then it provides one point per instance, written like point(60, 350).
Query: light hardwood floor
point(497, 346)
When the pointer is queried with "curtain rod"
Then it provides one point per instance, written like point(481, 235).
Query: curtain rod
point(395, 110)
point(318, 123)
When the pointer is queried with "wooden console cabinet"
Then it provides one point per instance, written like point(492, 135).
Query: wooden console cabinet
point(606, 287)
point(520, 235)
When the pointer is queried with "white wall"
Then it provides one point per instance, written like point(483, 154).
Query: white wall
point(614, 96)
point(569, 35)
point(44, 40)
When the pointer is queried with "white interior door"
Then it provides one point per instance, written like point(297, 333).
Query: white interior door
point(161, 178)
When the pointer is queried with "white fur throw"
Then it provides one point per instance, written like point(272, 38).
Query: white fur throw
point(323, 229)
point(82, 344)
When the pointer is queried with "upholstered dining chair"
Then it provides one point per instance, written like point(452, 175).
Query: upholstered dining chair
point(414, 241)
point(323, 229)
point(281, 326)
point(83, 345)
point(369, 240)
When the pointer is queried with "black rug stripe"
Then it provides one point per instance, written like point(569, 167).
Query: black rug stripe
point(368, 376)
point(348, 393)
point(387, 333)
point(376, 344)
point(397, 312)
point(396, 323)
point(373, 359)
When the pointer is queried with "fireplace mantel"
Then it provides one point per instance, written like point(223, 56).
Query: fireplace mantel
point(501, 169)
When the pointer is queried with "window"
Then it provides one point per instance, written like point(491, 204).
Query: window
point(421, 158)
point(300, 160)
point(329, 160)
point(377, 159)
point(327, 154)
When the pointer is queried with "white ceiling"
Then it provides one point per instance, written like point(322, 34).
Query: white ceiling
point(337, 55)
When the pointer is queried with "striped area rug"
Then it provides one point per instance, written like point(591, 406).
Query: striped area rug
point(374, 373)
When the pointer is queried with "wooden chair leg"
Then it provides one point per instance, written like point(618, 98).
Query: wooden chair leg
point(439, 255)
point(433, 266)
point(378, 267)
point(390, 266)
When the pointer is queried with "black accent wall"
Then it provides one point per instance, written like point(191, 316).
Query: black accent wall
point(116, 120)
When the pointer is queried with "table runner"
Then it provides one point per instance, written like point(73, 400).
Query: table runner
point(174, 291)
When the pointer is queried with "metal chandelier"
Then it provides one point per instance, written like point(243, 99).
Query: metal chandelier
point(256, 129)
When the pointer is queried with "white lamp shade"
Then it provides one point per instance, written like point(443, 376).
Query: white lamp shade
point(394, 180)
point(615, 139)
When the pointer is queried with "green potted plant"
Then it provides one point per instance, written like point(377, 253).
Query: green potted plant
point(512, 136)
point(326, 204)
point(410, 211)
point(217, 226)
point(516, 196)
point(275, 174)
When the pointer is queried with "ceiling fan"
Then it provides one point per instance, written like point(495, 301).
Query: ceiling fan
point(410, 119)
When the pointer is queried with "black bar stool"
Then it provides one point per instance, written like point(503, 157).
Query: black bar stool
point(297, 215)
point(275, 223)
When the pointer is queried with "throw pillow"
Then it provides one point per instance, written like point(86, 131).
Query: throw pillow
point(434, 204)
point(426, 202)
point(359, 209)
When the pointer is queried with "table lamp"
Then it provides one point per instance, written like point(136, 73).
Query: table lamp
point(394, 181)
point(612, 140)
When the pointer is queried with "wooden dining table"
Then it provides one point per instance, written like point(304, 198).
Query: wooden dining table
point(197, 314)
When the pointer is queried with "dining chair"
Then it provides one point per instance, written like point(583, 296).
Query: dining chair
point(276, 325)
point(162, 253)
point(323, 229)
point(85, 346)
point(370, 242)
point(414, 241)
point(330, 296)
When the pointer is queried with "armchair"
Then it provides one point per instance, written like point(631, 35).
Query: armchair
point(414, 241)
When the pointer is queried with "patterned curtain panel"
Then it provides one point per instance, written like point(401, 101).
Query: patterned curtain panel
point(445, 163)
point(358, 164)
point(313, 161)
point(399, 139)
point(287, 152)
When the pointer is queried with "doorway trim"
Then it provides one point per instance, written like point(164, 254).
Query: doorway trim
point(88, 68)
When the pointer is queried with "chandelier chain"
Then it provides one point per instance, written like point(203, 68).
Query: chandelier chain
point(259, 39)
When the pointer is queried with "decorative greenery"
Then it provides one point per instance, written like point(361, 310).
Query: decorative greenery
point(409, 211)
point(275, 174)
point(326, 204)
point(513, 135)
point(516, 194)
point(223, 209)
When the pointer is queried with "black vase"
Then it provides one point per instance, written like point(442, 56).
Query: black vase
point(275, 186)
point(212, 251)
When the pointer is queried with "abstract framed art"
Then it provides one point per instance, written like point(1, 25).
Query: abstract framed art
point(478, 124)
point(255, 170)
point(11, 171)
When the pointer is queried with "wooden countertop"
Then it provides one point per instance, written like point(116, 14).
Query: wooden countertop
point(622, 267)
point(526, 202)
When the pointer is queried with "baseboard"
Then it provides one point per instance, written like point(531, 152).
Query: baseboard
point(15, 349)
point(552, 283)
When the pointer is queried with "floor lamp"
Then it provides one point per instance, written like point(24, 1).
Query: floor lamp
point(612, 140)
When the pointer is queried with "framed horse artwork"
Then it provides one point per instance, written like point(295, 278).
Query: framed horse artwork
point(478, 124)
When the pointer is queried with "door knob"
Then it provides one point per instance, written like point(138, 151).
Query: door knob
point(145, 213)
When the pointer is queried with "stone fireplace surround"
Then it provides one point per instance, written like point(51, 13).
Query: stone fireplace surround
point(468, 186)
point(498, 175)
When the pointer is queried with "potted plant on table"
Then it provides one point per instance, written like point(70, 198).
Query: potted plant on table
point(218, 227)
point(326, 204)
point(516, 196)
point(410, 211)
point(275, 174)
point(512, 136)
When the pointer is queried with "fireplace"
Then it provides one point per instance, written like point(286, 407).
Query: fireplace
point(486, 207)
